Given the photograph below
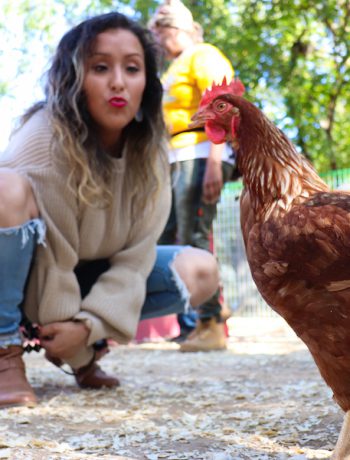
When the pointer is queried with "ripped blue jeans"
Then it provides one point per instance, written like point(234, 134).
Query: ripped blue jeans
point(166, 292)
point(17, 246)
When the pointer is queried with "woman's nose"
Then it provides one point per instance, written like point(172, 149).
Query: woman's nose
point(117, 79)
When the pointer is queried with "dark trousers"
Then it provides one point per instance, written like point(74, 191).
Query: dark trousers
point(190, 221)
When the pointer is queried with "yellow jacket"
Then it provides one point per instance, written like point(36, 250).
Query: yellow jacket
point(184, 82)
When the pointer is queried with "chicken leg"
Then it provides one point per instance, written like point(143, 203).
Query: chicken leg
point(342, 448)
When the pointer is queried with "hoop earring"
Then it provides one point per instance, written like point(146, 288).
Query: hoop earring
point(139, 115)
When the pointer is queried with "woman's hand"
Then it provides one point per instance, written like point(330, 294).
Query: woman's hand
point(64, 339)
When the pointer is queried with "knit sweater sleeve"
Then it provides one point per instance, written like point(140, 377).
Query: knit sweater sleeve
point(114, 304)
point(52, 293)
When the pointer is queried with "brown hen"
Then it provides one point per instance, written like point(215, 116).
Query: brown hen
point(296, 233)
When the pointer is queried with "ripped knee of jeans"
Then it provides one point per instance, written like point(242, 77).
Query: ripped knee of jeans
point(180, 284)
point(35, 227)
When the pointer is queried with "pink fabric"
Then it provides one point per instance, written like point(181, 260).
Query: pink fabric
point(155, 329)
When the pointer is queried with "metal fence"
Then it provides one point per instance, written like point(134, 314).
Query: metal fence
point(240, 292)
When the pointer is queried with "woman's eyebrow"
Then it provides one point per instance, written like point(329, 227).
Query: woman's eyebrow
point(99, 53)
point(102, 53)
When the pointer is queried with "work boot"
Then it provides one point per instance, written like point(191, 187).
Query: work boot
point(225, 312)
point(92, 376)
point(209, 335)
point(14, 387)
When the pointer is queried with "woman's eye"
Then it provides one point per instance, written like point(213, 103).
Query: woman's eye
point(100, 68)
point(132, 68)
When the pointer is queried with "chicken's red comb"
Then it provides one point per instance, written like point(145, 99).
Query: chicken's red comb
point(235, 87)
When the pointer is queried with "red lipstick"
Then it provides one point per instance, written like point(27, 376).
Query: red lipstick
point(117, 102)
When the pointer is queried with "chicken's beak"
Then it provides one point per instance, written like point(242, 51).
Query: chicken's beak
point(199, 119)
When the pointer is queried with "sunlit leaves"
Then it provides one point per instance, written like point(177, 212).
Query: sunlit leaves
point(292, 55)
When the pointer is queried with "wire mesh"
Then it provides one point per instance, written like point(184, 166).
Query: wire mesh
point(239, 290)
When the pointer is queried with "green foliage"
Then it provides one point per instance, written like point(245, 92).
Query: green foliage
point(292, 55)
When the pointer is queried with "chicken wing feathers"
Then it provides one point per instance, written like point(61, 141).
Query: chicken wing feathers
point(300, 263)
point(313, 238)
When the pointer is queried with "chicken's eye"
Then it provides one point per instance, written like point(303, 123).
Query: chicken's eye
point(220, 106)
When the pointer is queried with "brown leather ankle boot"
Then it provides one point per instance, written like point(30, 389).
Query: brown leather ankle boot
point(92, 376)
point(14, 387)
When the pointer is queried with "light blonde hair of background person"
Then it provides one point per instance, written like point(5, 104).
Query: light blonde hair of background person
point(173, 13)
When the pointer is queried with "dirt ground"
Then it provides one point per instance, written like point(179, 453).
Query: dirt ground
point(261, 399)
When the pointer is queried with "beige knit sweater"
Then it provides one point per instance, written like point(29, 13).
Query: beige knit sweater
point(76, 233)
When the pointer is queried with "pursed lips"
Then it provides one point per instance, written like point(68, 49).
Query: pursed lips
point(117, 102)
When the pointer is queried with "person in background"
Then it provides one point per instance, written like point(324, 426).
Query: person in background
point(199, 168)
point(85, 194)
